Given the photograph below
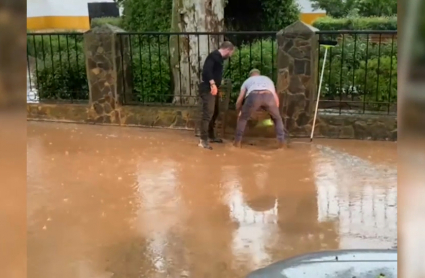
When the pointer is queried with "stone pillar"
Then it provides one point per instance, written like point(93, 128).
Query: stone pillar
point(109, 75)
point(297, 64)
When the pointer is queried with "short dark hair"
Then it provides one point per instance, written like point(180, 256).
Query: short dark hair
point(227, 45)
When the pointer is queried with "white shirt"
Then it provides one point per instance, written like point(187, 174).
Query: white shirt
point(258, 83)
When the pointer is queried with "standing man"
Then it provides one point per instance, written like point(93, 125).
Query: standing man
point(258, 91)
point(212, 74)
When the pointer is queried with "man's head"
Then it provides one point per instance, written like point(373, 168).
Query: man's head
point(226, 49)
point(254, 72)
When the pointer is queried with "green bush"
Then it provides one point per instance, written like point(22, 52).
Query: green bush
point(361, 70)
point(151, 74)
point(147, 15)
point(115, 21)
point(43, 46)
point(62, 78)
point(260, 54)
point(356, 23)
point(379, 79)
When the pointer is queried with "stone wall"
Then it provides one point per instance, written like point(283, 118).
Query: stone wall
point(367, 127)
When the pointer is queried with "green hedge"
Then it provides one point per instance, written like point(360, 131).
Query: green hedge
point(345, 71)
point(115, 21)
point(365, 71)
point(59, 67)
point(260, 54)
point(356, 23)
point(62, 79)
point(42, 46)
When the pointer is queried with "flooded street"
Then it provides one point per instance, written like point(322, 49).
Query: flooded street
point(129, 202)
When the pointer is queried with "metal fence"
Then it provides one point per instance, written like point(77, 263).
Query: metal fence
point(56, 67)
point(360, 73)
point(166, 67)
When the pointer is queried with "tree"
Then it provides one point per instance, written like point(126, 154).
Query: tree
point(334, 8)
point(278, 14)
point(188, 52)
point(376, 7)
point(146, 15)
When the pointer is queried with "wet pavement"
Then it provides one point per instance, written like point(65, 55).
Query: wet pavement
point(129, 202)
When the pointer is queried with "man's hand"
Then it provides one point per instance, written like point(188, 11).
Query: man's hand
point(214, 89)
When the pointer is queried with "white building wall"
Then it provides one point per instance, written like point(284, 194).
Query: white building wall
point(38, 8)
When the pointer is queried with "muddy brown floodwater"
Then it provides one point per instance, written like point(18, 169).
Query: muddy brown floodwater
point(129, 202)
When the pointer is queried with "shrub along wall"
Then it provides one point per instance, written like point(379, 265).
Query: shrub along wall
point(356, 67)
point(114, 21)
point(356, 23)
point(59, 66)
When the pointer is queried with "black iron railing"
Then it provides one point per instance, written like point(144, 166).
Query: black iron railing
point(360, 72)
point(56, 67)
point(166, 67)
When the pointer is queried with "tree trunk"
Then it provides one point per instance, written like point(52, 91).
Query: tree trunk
point(188, 52)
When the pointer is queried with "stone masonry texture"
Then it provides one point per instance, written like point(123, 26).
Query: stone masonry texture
point(296, 66)
point(365, 127)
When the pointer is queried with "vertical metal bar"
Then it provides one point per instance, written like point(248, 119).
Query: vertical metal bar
point(122, 65)
point(42, 51)
point(130, 45)
point(353, 85)
point(391, 74)
point(273, 77)
point(169, 60)
point(150, 65)
point(240, 66)
point(250, 52)
point(159, 61)
point(67, 53)
point(330, 87)
point(340, 76)
point(199, 60)
point(365, 74)
point(179, 67)
point(208, 38)
point(141, 70)
point(261, 55)
point(60, 62)
point(60, 52)
point(379, 67)
point(76, 53)
point(51, 53)
point(318, 66)
point(29, 71)
point(188, 61)
point(36, 63)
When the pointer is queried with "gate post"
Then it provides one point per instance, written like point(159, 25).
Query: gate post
point(297, 64)
point(108, 73)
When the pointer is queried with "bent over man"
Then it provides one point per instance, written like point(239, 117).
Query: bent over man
point(212, 74)
point(258, 91)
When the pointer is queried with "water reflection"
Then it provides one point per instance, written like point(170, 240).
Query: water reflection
point(255, 227)
point(363, 200)
point(160, 207)
point(120, 202)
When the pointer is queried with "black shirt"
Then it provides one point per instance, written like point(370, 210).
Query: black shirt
point(213, 68)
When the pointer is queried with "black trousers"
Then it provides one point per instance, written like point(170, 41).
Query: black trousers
point(209, 111)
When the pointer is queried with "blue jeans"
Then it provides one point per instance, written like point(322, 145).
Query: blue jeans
point(254, 101)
